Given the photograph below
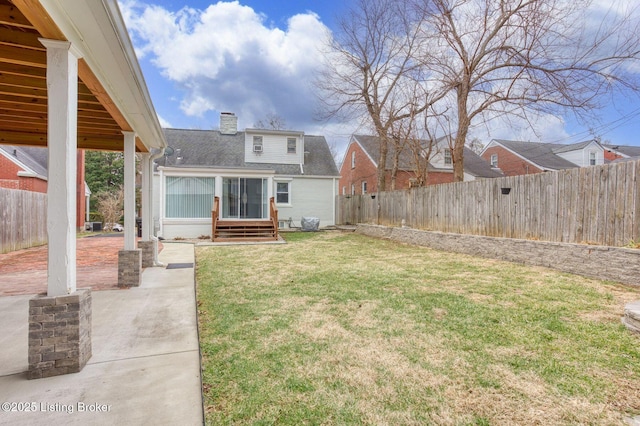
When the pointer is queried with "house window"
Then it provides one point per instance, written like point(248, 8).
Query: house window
point(364, 186)
point(447, 157)
point(283, 191)
point(291, 145)
point(189, 197)
point(494, 160)
point(353, 160)
point(344, 190)
point(257, 144)
point(353, 189)
point(592, 158)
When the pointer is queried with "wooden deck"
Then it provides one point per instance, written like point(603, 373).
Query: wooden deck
point(243, 230)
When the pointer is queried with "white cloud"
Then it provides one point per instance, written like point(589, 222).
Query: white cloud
point(226, 58)
point(164, 123)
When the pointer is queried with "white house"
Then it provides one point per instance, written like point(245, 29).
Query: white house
point(244, 170)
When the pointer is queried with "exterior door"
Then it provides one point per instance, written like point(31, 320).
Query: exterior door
point(244, 198)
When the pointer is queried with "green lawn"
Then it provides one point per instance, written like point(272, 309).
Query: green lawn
point(336, 328)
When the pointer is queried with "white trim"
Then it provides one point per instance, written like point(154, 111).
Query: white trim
point(22, 173)
point(97, 31)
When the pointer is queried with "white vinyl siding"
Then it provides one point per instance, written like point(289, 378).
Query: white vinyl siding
point(189, 197)
point(310, 197)
point(275, 149)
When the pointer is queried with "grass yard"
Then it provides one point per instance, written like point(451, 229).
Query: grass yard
point(337, 329)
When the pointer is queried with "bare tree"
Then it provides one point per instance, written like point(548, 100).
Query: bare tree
point(506, 57)
point(272, 121)
point(371, 74)
point(110, 205)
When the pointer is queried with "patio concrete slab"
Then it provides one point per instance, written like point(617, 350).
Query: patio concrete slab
point(145, 367)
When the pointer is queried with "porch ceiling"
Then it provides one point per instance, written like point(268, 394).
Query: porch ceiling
point(23, 85)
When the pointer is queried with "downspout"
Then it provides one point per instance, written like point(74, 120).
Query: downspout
point(152, 237)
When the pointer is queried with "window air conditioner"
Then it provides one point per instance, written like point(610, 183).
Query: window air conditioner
point(257, 148)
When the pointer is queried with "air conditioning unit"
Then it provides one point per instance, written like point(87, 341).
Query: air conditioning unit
point(257, 148)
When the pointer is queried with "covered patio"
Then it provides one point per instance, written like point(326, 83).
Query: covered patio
point(69, 80)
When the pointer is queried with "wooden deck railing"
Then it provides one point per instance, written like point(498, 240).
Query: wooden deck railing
point(254, 230)
point(274, 216)
point(215, 216)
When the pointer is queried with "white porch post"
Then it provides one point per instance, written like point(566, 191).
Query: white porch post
point(129, 190)
point(62, 140)
point(65, 312)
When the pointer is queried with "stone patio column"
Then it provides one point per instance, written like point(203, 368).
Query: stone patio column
point(60, 321)
point(129, 259)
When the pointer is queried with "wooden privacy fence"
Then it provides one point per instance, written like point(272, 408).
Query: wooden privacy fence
point(23, 219)
point(594, 205)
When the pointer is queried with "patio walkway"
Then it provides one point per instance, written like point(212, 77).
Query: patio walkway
point(145, 367)
point(25, 271)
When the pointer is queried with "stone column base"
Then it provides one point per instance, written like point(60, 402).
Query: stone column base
point(147, 253)
point(129, 268)
point(59, 334)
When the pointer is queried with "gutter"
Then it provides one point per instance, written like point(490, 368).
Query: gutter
point(152, 237)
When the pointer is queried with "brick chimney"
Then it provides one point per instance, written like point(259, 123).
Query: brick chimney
point(228, 123)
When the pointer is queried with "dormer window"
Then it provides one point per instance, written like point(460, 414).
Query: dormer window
point(257, 144)
point(291, 145)
point(447, 157)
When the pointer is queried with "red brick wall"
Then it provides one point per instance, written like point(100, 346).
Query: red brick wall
point(364, 170)
point(8, 170)
point(9, 178)
point(509, 163)
point(610, 155)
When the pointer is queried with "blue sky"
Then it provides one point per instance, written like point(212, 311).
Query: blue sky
point(257, 57)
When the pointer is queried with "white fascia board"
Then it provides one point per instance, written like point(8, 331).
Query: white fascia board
point(203, 171)
point(375, 163)
point(489, 145)
point(26, 170)
point(96, 29)
point(31, 175)
point(274, 132)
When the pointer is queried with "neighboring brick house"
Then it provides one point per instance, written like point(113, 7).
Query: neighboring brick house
point(616, 152)
point(520, 158)
point(359, 169)
point(25, 168)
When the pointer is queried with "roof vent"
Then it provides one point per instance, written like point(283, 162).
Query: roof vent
point(228, 123)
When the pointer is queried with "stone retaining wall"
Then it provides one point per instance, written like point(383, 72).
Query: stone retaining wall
point(600, 262)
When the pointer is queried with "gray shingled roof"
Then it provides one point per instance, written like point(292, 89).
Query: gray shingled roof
point(542, 154)
point(35, 158)
point(478, 166)
point(371, 144)
point(631, 151)
point(473, 163)
point(211, 149)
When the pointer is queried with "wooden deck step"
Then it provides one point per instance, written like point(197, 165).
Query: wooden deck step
point(244, 230)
